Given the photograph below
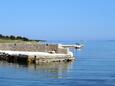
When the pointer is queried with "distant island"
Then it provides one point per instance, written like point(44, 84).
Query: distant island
point(17, 39)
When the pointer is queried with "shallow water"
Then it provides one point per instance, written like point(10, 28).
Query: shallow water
point(95, 66)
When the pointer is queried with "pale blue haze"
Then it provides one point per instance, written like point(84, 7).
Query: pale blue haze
point(59, 19)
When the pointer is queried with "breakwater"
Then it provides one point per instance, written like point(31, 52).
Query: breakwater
point(34, 53)
point(33, 47)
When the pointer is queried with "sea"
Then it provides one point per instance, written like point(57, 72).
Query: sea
point(94, 66)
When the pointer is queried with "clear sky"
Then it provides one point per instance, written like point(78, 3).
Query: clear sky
point(58, 19)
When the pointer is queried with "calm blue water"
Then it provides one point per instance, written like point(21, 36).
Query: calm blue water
point(95, 66)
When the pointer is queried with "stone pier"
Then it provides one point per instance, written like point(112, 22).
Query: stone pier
point(34, 53)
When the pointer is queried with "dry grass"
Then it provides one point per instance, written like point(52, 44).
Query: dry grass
point(15, 41)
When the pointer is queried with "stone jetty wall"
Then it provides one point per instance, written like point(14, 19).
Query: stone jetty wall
point(35, 58)
point(33, 47)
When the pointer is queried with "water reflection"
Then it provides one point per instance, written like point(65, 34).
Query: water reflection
point(52, 70)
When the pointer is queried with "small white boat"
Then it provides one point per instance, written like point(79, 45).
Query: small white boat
point(76, 46)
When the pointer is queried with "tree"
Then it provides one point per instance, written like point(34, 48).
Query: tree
point(1, 36)
point(7, 37)
point(25, 39)
point(12, 37)
point(18, 37)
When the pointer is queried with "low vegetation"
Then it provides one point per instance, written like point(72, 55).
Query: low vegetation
point(17, 39)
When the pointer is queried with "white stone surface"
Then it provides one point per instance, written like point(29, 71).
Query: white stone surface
point(34, 53)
